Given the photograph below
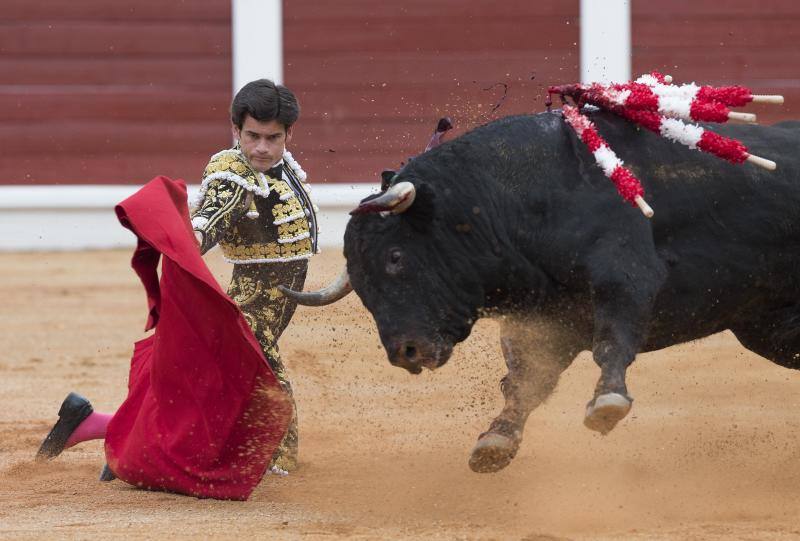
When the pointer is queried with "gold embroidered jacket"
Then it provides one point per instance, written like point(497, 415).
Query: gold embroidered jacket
point(254, 218)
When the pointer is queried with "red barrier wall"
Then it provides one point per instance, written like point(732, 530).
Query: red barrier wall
point(93, 91)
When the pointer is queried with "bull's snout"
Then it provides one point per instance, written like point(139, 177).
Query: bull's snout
point(408, 354)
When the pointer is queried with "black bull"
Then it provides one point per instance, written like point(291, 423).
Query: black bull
point(515, 219)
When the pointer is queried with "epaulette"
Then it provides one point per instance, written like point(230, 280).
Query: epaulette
point(232, 166)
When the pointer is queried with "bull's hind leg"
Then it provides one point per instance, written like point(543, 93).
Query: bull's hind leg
point(536, 357)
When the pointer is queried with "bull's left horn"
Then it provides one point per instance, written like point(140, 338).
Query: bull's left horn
point(394, 200)
point(321, 297)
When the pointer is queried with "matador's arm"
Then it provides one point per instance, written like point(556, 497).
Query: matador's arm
point(223, 204)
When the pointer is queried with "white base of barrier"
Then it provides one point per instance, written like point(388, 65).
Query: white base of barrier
point(39, 218)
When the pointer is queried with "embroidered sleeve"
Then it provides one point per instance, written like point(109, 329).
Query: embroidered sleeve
point(223, 204)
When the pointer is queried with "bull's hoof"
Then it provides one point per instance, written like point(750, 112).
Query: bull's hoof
point(604, 412)
point(492, 453)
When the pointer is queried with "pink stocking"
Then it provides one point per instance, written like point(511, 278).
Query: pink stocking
point(92, 428)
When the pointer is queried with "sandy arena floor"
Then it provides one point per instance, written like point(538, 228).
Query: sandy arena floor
point(710, 450)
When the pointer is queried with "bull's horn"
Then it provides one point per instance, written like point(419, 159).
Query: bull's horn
point(321, 297)
point(394, 200)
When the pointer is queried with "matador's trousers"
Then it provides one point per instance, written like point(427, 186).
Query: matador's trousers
point(254, 287)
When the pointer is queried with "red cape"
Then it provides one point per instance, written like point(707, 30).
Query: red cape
point(204, 412)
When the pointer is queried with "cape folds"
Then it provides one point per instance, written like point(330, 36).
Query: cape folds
point(204, 412)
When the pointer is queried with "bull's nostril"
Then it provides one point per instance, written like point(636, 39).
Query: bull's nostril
point(410, 352)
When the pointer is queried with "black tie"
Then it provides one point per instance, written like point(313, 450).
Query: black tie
point(276, 172)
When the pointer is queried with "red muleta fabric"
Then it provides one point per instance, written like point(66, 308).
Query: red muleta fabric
point(204, 412)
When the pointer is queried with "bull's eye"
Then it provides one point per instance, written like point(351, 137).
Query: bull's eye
point(394, 261)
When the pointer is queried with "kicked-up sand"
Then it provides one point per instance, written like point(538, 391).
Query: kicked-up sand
point(710, 450)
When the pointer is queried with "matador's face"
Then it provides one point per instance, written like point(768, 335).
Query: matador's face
point(262, 143)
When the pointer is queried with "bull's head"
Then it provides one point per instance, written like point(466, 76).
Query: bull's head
point(420, 287)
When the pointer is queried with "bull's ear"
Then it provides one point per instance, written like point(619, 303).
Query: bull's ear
point(422, 212)
point(386, 178)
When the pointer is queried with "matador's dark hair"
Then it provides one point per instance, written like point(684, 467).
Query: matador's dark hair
point(264, 101)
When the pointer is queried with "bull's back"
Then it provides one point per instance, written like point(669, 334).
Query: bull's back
point(728, 234)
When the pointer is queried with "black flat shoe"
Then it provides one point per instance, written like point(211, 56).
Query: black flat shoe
point(74, 410)
point(107, 475)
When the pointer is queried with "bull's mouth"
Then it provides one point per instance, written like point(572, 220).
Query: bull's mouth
point(414, 355)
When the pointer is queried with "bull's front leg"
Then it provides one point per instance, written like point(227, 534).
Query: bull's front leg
point(536, 356)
